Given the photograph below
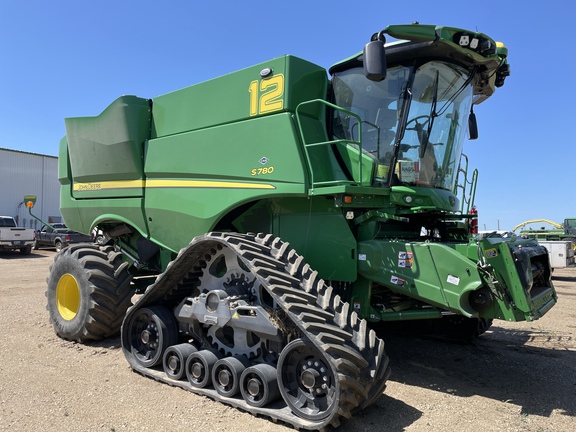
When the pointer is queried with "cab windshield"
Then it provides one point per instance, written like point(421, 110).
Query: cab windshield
point(413, 123)
point(570, 226)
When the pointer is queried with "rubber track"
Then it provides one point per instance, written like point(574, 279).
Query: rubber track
point(357, 356)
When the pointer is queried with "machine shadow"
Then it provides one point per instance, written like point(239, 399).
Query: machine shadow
point(398, 416)
point(564, 278)
point(10, 255)
point(499, 366)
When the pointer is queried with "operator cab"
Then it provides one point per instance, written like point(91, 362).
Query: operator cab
point(413, 122)
point(408, 104)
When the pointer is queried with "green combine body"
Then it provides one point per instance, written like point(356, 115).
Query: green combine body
point(270, 216)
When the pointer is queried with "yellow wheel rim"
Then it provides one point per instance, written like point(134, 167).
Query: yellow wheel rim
point(68, 296)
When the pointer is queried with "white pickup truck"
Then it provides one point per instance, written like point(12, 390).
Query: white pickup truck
point(13, 237)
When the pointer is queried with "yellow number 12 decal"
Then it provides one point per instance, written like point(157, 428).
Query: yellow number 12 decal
point(267, 95)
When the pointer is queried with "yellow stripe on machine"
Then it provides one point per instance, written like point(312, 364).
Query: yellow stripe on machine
point(129, 184)
point(206, 184)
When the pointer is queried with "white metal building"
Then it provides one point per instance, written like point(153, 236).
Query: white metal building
point(23, 173)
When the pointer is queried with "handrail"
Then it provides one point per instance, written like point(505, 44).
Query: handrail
point(472, 195)
point(338, 141)
point(467, 200)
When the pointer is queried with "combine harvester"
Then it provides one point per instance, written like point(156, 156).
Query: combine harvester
point(562, 231)
point(271, 217)
point(560, 241)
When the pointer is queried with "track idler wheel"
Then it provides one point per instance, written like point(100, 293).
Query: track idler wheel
point(307, 382)
point(174, 361)
point(152, 330)
point(226, 375)
point(259, 385)
point(199, 367)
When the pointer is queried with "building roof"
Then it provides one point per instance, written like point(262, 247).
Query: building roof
point(26, 152)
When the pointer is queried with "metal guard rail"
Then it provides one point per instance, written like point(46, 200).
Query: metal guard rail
point(467, 200)
point(312, 183)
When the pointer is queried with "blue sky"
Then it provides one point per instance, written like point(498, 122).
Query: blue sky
point(72, 58)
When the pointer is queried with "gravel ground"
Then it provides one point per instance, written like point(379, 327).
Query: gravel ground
point(517, 377)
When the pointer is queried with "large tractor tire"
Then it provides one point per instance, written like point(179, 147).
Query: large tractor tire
point(88, 292)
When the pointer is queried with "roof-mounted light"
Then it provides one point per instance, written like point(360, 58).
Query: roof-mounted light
point(475, 43)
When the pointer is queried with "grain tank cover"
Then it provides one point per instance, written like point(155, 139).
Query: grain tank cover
point(275, 86)
point(106, 151)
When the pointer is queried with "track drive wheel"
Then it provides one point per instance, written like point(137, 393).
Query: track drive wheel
point(307, 382)
point(88, 292)
point(152, 330)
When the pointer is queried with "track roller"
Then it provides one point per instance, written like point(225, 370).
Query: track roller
point(259, 385)
point(199, 367)
point(174, 360)
point(226, 375)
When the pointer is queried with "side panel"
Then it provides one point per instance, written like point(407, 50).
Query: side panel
point(317, 230)
point(82, 214)
point(431, 272)
point(106, 151)
point(194, 178)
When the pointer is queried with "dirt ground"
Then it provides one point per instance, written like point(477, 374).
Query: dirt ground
point(517, 377)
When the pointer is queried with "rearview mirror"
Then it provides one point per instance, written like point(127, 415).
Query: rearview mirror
point(375, 60)
point(472, 126)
